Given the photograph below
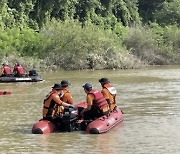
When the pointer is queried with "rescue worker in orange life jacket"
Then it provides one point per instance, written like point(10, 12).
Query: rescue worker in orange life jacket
point(51, 104)
point(97, 106)
point(5, 70)
point(18, 70)
point(65, 93)
point(109, 92)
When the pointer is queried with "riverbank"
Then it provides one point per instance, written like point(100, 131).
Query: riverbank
point(30, 63)
point(127, 62)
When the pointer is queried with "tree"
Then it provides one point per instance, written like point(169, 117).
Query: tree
point(148, 7)
point(169, 14)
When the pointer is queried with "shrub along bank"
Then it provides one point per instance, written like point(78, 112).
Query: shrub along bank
point(66, 45)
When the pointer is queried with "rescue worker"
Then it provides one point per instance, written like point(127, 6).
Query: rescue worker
point(65, 93)
point(109, 93)
point(5, 70)
point(18, 70)
point(97, 106)
point(52, 103)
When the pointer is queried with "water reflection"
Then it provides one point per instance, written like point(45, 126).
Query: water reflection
point(80, 142)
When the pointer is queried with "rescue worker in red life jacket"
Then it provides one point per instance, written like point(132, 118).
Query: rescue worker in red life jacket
point(97, 106)
point(52, 103)
point(18, 70)
point(109, 92)
point(5, 70)
point(65, 93)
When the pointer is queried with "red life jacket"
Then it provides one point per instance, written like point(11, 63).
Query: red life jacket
point(7, 70)
point(20, 70)
point(99, 101)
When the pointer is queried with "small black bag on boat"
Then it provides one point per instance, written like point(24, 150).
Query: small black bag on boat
point(33, 73)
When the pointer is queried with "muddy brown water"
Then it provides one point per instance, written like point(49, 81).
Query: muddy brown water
point(150, 99)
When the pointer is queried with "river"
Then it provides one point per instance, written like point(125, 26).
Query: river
point(149, 98)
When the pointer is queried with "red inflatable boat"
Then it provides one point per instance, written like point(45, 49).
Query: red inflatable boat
point(105, 123)
point(72, 122)
point(5, 92)
point(43, 127)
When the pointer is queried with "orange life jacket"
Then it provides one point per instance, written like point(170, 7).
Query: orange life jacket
point(66, 98)
point(112, 92)
point(50, 106)
point(99, 101)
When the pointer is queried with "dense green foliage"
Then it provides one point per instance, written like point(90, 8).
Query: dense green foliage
point(35, 13)
point(90, 34)
point(164, 12)
point(25, 41)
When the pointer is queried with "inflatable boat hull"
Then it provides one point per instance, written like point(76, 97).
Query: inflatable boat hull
point(20, 79)
point(43, 127)
point(98, 126)
point(105, 123)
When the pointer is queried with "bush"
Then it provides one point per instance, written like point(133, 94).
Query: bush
point(155, 45)
point(25, 42)
point(70, 46)
point(168, 40)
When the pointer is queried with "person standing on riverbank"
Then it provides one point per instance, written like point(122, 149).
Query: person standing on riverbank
point(65, 94)
point(109, 92)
